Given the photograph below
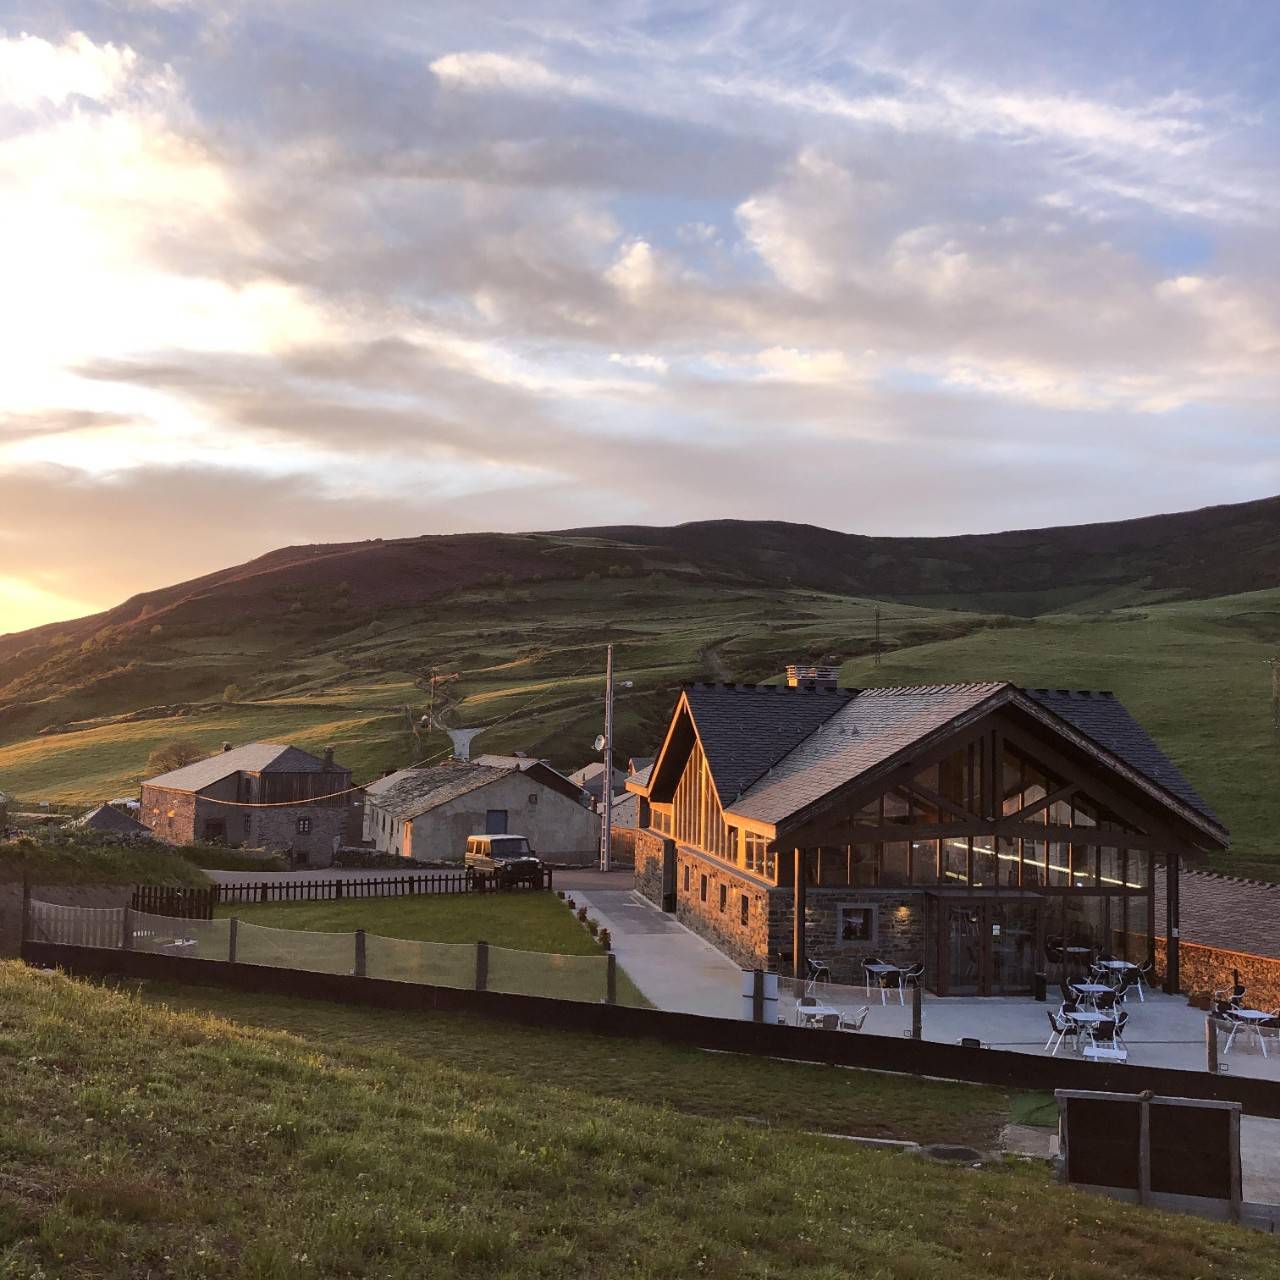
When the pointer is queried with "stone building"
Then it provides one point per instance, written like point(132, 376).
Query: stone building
point(261, 796)
point(985, 830)
point(112, 821)
point(428, 813)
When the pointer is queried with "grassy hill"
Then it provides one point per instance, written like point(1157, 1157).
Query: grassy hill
point(325, 1155)
point(1179, 615)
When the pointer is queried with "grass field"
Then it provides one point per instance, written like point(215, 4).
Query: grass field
point(517, 921)
point(95, 861)
point(137, 1140)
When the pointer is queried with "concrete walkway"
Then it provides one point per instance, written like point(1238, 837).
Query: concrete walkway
point(672, 966)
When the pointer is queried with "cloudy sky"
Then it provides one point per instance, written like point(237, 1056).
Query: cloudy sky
point(300, 272)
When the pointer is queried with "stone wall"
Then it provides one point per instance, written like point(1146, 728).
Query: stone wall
point(898, 936)
point(646, 851)
point(278, 829)
point(1203, 970)
point(110, 895)
point(717, 916)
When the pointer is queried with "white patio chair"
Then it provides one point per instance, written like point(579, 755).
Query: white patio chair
point(854, 1021)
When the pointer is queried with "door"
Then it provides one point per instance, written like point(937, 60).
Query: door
point(495, 822)
point(989, 947)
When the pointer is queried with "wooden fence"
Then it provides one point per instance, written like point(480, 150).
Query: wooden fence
point(198, 904)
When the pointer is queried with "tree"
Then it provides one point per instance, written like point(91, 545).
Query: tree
point(173, 755)
point(232, 693)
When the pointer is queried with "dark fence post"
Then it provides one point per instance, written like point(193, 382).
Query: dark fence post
point(232, 939)
point(757, 995)
point(482, 966)
point(360, 954)
point(917, 1012)
point(126, 929)
point(337, 886)
point(611, 979)
point(550, 880)
point(1211, 1045)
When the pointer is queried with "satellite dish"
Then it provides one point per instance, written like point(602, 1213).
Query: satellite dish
point(599, 741)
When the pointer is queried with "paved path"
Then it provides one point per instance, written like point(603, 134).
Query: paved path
point(674, 968)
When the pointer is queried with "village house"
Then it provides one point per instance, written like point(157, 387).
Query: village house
point(110, 820)
point(983, 830)
point(591, 779)
point(263, 796)
point(428, 813)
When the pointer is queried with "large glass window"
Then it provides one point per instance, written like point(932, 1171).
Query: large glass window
point(895, 863)
point(924, 862)
point(953, 864)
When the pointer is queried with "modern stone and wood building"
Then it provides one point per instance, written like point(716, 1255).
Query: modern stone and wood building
point(979, 828)
point(262, 796)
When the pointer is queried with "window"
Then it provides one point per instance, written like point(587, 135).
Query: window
point(856, 923)
point(495, 822)
point(304, 826)
point(686, 877)
point(248, 824)
point(744, 908)
point(724, 896)
point(533, 797)
point(702, 888)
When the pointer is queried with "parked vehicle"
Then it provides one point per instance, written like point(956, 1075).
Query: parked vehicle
point(510, 858)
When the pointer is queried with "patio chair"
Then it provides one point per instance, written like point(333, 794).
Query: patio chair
point(1103, 1032)
point(1128, 982)
point(819, 970)
point(1059, 1029)
point(854, 1021)
point(1121, 1022)
point(1142, 976)
point(829, 1022)
point(913, 976)
point(1069, 996)
point(891, 981)
point(804, 1002)
point(1106, 1001)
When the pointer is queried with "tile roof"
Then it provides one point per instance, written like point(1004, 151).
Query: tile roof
point(255, 757)
point(865, 729)
point(107, 817)
point(745, 729)
point(1102, 717)
point(413, 792)
point(1223, 912)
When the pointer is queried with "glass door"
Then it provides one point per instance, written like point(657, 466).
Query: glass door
point(1012, 928)
point(964, 950)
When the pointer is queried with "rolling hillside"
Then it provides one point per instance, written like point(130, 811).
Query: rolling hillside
point(330, 644)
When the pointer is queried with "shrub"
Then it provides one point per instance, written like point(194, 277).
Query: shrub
point(232, 693)
point(582, 915)
point(605, 939)
point(594, 926)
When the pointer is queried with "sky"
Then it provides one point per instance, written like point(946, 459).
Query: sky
point(282, 273)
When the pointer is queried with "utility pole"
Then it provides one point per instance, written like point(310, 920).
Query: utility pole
point(606, 829)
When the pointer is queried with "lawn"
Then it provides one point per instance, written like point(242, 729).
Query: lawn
point(137, 1141)
point(519, 921)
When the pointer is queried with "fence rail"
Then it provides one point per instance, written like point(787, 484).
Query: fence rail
point(199, 904)
point(474, 966)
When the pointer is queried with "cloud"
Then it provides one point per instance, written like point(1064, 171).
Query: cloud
point(34, 71)
point(503, 72)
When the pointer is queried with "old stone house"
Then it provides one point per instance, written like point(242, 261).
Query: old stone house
point(981, 829)
point(263, 796)
point(428, 813)
point(112, 821)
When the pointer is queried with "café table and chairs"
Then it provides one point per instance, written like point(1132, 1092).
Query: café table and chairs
point(888, 977)
point(1251, 1021)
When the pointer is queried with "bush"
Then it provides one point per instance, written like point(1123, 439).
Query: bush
point(594, 926)
point(582, 915)
point(232, 693)
point(605, 939)
point(373, 858)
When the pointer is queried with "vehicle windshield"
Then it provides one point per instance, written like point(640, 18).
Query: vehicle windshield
point(509, 847)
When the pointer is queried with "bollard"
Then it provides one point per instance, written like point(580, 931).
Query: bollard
point(757, 995)
point(611, 979)
point(917, 1013)
point(1211, 1045)
point(482, 966)
point(360, 954)
point(126, 929)
point(232, 932)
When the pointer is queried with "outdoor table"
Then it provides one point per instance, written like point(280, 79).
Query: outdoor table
point(880, 970)
point(811, 1013)
point(1117, 966)
point(1078, 955)
point(1251, 1020)
point(1086, 1017)
point(1106, 1052)
point(1090, 989)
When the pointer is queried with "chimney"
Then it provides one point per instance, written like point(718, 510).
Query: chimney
point(811, 676)
point(328, 757)
point(226, 746)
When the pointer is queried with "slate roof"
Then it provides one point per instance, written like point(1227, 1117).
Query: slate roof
point(744, 729)
point(255, 757)
point(413, 792)
point(1223, 912)
point(108, 818)
point(866, 729)
point(1102, 717)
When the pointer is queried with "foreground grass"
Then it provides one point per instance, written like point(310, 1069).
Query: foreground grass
point(792, 1095)
point(139, 1141)
point(88, 859)
point(521, 920)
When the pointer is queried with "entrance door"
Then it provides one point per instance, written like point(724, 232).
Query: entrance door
point(989, 947)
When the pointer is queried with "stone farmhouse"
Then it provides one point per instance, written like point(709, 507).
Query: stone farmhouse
point(987, 831)
point(112, 821)
point(428, 813)
point(263, 796)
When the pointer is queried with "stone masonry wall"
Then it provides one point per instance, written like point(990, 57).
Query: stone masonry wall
point(749, 944)
point(1204, 970)
point(647, 852)
point(899, 935)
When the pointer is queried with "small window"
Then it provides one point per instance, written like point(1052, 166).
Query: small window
point(686, 877)
point(495, 822)
point(724, 896)
point(744, 908)
point(248, 824)
point(533, 797)
point(856, 923)
point(702, 888)
point(304, 826)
